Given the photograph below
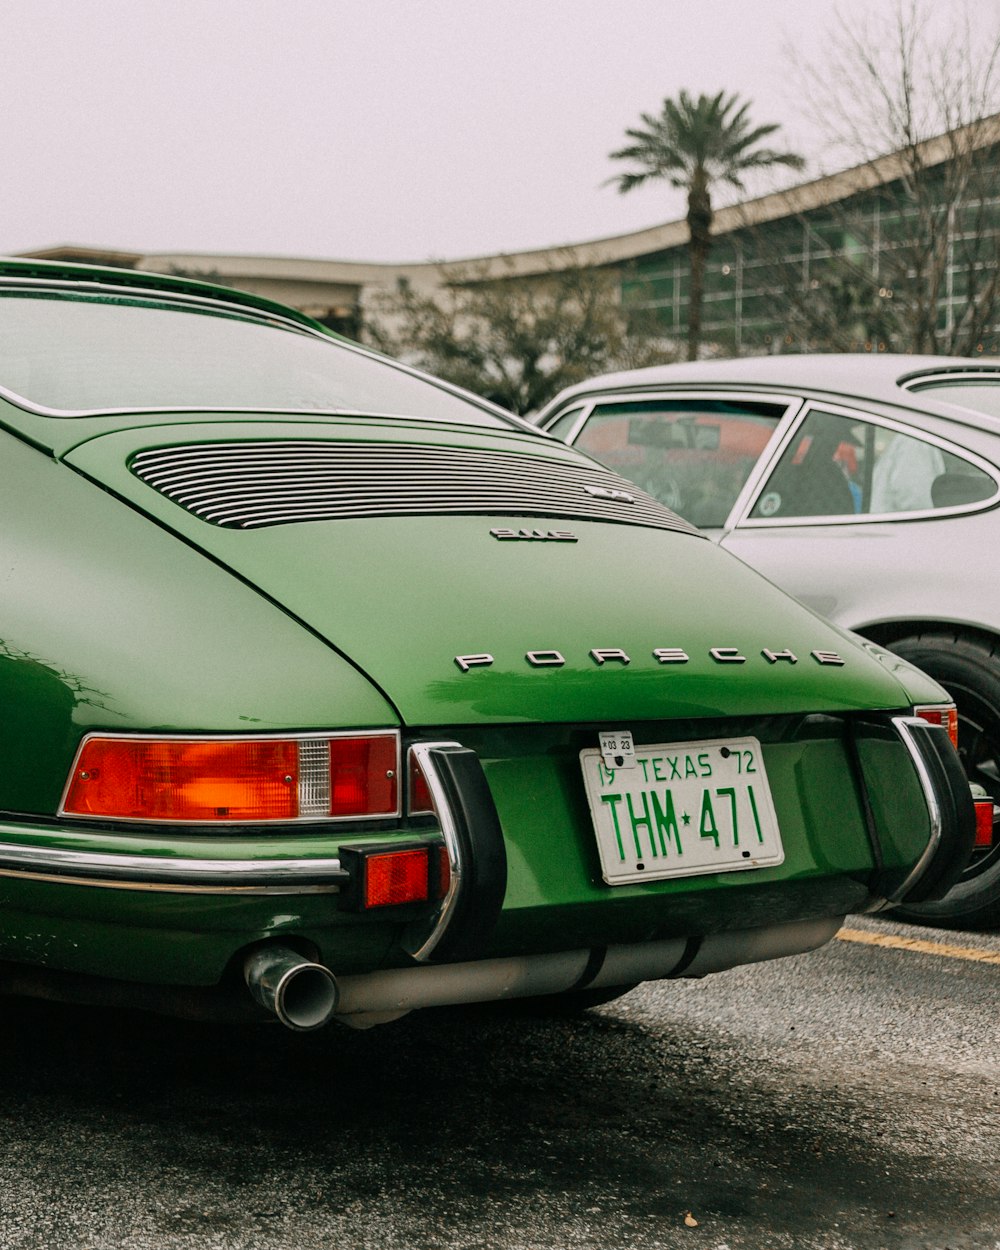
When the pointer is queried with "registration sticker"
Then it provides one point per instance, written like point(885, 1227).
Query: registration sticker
point(682, 809)
point(617, 748)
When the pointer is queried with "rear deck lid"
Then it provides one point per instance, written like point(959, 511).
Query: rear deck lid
point(489, 576)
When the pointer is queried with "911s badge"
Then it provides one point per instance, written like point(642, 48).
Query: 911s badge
point(556, 536)
point(615, 656)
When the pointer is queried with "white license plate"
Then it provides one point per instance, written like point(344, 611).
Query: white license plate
point(682, 808)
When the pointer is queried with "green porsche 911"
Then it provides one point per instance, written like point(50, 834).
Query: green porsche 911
point(330, 691)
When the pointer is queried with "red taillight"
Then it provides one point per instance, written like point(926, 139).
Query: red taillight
point(419, 802)
point(945, 714)
point(235, 779)
point(984, 824)
point(363, 779)
point(444, 872)
point(142, 779)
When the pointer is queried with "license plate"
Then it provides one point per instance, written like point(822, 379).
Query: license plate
point(682, 808)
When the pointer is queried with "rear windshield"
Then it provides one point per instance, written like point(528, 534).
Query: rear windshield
point(981, 394)
point(74, 356)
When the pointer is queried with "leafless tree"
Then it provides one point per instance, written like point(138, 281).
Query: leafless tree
point(909, 102)
point(516, 340)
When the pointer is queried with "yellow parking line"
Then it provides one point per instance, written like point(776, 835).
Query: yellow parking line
point(917, 944)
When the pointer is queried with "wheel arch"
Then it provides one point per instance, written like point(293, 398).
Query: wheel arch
point(885, 633)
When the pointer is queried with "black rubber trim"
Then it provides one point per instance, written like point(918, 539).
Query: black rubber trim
point(871, 826)
point(594, 964)
point(691, 948)
point(958, 814)
point(482, 855)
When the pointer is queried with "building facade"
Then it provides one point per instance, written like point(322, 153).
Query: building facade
point(901, 253)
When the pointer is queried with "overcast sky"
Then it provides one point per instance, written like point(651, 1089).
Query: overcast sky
point(367, 129)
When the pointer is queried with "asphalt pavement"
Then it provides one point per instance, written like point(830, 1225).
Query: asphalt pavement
point(843, 1100)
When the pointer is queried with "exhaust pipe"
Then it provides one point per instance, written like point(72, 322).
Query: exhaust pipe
point(305, 995)
point(302, 994)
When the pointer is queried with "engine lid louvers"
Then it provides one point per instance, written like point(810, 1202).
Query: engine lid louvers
point(247, 485)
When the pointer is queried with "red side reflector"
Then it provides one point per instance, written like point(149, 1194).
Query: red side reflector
point(945, 714)
point(984, 824)
point(397, 877)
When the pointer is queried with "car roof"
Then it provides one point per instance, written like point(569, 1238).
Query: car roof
point(27, 271)
point(877, 377)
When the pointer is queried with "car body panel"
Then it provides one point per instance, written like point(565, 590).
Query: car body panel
point(313, 570)
point(97, 633)
point(822, 570)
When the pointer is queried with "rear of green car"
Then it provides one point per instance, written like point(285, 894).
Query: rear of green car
point(325, 709)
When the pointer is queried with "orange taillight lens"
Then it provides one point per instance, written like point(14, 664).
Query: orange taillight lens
point(945, 714)
point(142, 779)
point(235, 779)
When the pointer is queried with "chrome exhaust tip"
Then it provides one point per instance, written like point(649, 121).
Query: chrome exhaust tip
point(302, 994)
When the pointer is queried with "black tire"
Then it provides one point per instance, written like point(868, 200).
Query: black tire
point(969, 669)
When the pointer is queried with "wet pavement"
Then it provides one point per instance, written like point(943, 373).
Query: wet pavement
point(844, 1100)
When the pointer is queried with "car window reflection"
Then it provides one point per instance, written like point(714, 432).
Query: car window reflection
point(692, 456)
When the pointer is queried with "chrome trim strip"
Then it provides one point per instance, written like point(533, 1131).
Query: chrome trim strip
point(929, 378)
point(421, 752)
point(167, 874)
point(902, 726)
point(152, 293)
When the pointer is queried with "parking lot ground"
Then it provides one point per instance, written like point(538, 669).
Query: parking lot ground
point(844, 1100)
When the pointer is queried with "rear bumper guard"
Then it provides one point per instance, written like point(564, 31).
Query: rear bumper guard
point(477, 856)
point(950, 808)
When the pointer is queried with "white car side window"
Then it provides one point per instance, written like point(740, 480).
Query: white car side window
point(842, 466)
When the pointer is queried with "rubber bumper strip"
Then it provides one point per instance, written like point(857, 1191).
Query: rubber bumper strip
point(871, 826)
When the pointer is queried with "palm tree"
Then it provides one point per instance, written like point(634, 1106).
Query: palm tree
point(695, 144)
